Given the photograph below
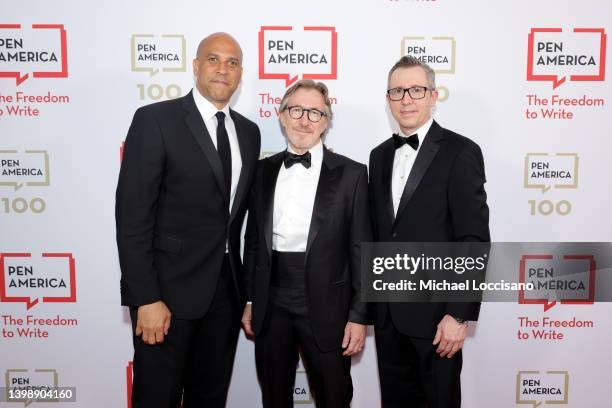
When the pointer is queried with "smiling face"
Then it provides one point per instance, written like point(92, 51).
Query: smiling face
point(411, 114)
point(218, 68)
point(302, 134)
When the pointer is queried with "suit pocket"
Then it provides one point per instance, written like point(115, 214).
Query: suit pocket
point(166, 243)
point(339, 283)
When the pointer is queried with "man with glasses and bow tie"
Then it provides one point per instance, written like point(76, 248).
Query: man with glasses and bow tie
point(426, 185)
point(308, 216)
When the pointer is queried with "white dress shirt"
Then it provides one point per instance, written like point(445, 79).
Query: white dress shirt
point(402, 164)
point(208, 112)
point(294, 199)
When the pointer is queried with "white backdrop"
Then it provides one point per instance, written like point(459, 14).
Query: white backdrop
point(481, 51)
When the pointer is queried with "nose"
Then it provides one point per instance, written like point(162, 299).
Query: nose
point(304, 119)
point(407, 99)
point(222, 68)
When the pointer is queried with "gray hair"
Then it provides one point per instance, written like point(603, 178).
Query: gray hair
point(408, 61)
point(308, 84)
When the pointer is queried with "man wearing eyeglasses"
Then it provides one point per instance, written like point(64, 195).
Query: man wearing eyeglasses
point(426, 185)
point(309, 214)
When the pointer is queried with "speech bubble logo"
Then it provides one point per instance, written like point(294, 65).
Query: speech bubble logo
point(30, 168)
point(554, 56)
point(537, 388)
point(438, 52)
point(40, 378)
point(585, 270)
point(544, 171)
point(287, 54)
point(167, 53)
point(21, 281)
point(33, 52)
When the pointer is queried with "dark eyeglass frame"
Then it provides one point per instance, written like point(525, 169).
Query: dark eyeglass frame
point(309, 110)
point(410, 91)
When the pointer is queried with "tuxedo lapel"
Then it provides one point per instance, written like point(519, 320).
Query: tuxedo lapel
point(269, 177)
point(200, 133)
point(243, 142)
point(425, 156)
point(326, 190)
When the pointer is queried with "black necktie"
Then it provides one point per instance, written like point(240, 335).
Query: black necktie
point(413, 141)
point(291, 159)
point(223, 148)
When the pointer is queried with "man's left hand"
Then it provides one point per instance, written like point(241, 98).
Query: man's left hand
point(449, 336)
point(354, 338)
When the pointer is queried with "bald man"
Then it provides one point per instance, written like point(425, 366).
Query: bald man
point(181, 200)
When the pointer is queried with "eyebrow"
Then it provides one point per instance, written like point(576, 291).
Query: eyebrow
point(212, 54)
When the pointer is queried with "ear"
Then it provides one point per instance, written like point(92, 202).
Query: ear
point(434, 96)
point(195, 65)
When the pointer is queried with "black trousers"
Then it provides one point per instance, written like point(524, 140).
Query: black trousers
point(194, 363)
point(412, 374)
point(286, 332)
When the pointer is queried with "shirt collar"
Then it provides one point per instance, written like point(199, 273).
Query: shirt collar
point(316, 153)
point(206, 108)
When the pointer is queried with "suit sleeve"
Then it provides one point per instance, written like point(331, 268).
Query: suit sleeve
point(251, 236)
point(371, 195)
point(361, 231)
point(469, 212)
point(135, 209)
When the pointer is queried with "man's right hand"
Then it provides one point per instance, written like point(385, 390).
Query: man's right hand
point(153, 322)
point(246, 321)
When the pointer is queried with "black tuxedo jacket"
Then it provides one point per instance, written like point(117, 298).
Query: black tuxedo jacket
point(340, 222)
point(444, 201)
point(172, 211)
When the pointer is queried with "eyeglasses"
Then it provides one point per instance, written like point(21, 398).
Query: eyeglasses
point(415, 92)
point(314, 115)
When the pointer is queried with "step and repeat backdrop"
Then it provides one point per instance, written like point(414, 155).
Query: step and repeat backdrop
point(526, 80)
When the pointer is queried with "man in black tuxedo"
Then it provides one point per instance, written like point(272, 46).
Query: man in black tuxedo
point(181, 200)
point(308, 216)
point(426, 185)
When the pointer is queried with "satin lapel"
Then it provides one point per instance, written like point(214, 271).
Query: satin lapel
point(247, 168)
point(200, 133)
point(388, 155)
point(326, 191)
point(426, 154)
point(269, 177)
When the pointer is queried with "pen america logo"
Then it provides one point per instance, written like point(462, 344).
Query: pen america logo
point(537, 388)
point(32, 279)
point(39, 51)
point(557, 56)
point(557, 172)
point(561, 56)
point(568, 279)
point(288, 53)
point(152, 54)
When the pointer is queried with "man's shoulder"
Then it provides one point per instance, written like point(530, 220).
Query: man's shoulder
point(345, 161)
point(380, 147)
point(163, 107)
point(456, 140)
point(244, 121)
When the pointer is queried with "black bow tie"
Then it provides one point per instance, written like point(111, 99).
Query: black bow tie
point(291, 159)
point(413, 141)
